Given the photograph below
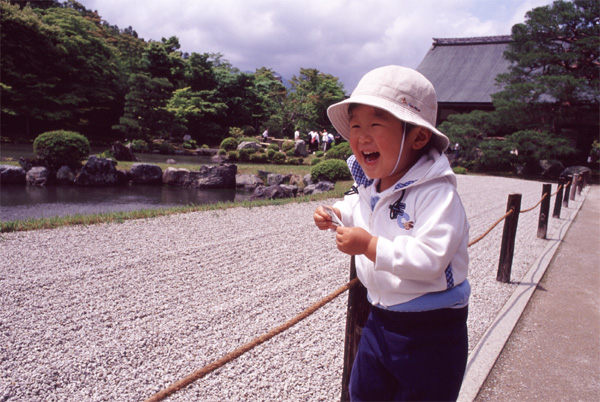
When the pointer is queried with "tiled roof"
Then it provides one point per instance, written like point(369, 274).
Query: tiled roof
point(463, 70)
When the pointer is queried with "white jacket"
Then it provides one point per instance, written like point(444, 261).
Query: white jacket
point(424, 248)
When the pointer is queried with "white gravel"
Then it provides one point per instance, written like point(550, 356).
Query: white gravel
point(117, 312)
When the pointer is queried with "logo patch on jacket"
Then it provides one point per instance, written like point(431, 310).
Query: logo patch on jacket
point(397, 212)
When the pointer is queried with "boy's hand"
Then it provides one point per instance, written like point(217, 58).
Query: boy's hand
point(322, 218)
point(356, 241)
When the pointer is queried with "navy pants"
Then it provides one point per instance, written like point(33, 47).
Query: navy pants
point(411, 356)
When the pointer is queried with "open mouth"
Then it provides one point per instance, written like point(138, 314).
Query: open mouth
point(370, 156)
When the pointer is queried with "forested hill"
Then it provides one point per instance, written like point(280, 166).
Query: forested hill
point(64, 67)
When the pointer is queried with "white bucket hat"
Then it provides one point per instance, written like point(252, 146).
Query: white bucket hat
point(401, 91)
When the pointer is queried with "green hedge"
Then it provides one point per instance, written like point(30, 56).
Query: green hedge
point(330, 170)
point(61, 148)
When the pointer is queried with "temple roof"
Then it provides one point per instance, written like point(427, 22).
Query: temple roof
point(463, 70)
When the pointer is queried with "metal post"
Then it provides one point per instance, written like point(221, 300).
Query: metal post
point(544, 212)
point(507, 250)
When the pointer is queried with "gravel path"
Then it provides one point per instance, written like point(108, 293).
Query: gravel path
point(117, 312)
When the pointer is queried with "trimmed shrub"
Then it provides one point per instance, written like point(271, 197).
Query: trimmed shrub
point(279, 157)
point(315, 161)
point(61, 148)
point(249, 139)
point(274, 146)
point(222, 152)
point(319, 154)
point(330, 170)
point(341, 151)
point(287, 146)
point(295, 161)
point(459, 170)
point(259, 158)
point(245, 154)
point(229, 144)
point(233, 156)
point(139, 146)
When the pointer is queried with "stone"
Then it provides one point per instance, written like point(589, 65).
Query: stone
point(12, 175)
point(38, 176)
point(171, 162)
point(320, 187)
point(145, 173)
point(295, 180)
point(218, 158)
point(65, 175)
point(307, 179)
point(98, 172)
point(175, 177)
point(27, 163)
point(274, 192)
point(550, 168)
point(249, 145)
point(123, 153)
point(300, 148)
point(206, 151)
point(571, 170)
point(221, 176)
point(274, 179)
point(247, 181)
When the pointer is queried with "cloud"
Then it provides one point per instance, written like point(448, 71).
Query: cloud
point(345, 38)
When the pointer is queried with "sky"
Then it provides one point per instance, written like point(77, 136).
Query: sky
point(344, 38)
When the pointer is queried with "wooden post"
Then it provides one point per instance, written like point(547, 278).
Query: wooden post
point(356, 317)
point(574, 186)
point(507, 250)
point(580, 181)
point(559, 196)
point(544, 212)
point(567, 192)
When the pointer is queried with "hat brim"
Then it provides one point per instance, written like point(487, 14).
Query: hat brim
point(339, 117)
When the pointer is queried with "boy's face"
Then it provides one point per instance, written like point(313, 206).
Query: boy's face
point(375, 139)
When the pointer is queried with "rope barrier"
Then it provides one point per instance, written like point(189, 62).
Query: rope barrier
point(196, 375)
point(532, 208)
point(492, 227)
point(557, 190)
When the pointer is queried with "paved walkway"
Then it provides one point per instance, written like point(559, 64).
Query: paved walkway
point(553, 353)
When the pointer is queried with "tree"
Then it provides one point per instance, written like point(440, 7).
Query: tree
point(56, 70)
point(271, 94)
point(146, 116)
point(553, 84)
point(311, 94)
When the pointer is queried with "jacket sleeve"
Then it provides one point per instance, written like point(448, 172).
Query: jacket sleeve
point(440, 233)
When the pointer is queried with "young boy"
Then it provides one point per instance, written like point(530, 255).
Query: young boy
point(407, 227)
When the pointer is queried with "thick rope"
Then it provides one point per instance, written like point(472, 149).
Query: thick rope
point(535, 206)
point(492, 227)
point(556, 192)
point(196, 375)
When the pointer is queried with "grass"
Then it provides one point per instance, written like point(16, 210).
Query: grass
point(119, 217)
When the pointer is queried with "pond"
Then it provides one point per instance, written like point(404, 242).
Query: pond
point(24, 202)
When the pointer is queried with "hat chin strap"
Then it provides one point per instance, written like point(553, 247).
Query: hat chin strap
point(401, 148)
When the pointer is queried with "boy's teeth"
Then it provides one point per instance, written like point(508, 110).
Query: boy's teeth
point(369, 156)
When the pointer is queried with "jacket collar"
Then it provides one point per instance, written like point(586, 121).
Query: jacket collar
point(362, 179)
